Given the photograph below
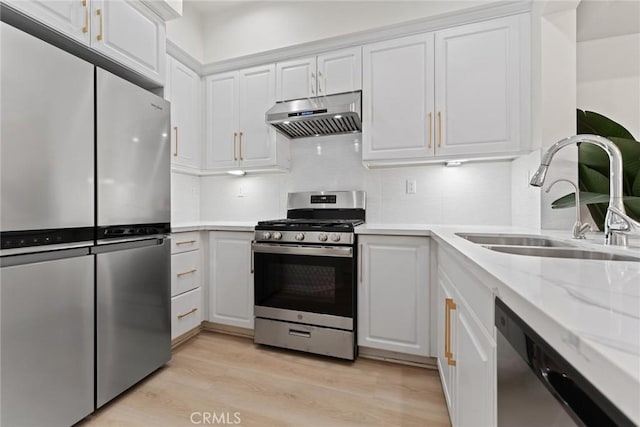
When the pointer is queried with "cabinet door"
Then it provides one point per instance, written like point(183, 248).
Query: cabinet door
point(222, 120)
point(70, 17)
point(393, 294)
point(131, 34)
point(183, 91)
point(475, 354)
point(397, 99)
point(478, 87)
point(296, 79)
point(257, 94)
point(340, 71)
point(231, 279)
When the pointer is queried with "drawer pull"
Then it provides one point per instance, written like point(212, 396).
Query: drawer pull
point(180, 316)
point(184, 273)
point(296, 333)
point(186, 242)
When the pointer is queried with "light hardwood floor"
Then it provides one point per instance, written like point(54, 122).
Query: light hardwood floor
point(217, 375)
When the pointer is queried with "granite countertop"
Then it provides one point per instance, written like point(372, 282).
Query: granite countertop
point(588, 310)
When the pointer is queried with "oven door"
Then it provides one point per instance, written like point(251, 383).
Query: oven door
point(293, 282)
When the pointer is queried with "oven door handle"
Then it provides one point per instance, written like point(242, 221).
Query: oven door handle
point(333, 251)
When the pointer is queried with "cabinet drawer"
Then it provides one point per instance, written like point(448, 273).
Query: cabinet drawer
point(186, 312)
point(185, 272)
point(183, 242)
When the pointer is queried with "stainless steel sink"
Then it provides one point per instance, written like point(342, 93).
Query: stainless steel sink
point(512, 240)
point(559, 252)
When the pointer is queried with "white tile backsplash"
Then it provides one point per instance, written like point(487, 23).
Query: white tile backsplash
point(185, 198)
point(475, 193)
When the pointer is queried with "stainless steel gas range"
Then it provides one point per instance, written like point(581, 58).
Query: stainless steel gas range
point(305, 274)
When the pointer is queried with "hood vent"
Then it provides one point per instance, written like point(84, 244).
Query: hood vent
point(325, 115)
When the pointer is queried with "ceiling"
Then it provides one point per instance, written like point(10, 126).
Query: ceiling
point(607, 18)
point(596, 18)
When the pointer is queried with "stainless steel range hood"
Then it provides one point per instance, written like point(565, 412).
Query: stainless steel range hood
point(323, 115)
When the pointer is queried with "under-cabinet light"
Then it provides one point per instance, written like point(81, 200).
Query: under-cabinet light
point(237, 173)
point(453, 163)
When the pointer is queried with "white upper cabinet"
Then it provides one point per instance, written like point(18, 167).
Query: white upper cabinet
point(462, 91)
point(124, 31)
point(397, 98)
point(183, 91)
point(131, 34)
point(333, 72)
point(478, 87)
point(237, 134)
point(222, 120)
point(70, 17)
point(393, 294)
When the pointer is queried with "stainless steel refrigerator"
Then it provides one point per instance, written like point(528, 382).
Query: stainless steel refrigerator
point(133, 284)
point(47, 223)
point(84, 217)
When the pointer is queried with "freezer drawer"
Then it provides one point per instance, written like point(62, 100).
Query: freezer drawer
point(133, 304)
point(47, 334)
point(46, 166)
point(133, 153)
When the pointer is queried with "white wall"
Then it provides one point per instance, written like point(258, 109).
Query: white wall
point(475, 193)
point(267, 25)
point(609, 79)
point(187, 32)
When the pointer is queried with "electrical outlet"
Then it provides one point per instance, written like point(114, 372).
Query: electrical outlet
point(241, 190)
point(411, 186)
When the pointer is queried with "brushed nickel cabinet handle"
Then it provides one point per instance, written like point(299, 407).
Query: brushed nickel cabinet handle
point(180, 316)
point(313, 83)
point(85, 28)
point(235, 137)
point(184, 273)
point(320, 82)
point(175, 153)
point(99, 13)
point(185, 242)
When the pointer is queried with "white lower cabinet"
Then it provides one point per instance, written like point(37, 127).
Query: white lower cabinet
point(186, 312)
point(186, 283)
point(466, 350)
point(231, 278)
point(393, 294)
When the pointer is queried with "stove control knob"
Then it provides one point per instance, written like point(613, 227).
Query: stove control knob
point(322, 237)
point(277, 235)
point(335, 237)
point(266, 235)
point(299, 236)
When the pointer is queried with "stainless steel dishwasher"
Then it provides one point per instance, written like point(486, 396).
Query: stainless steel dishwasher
point(538, 387)
point(47, 338)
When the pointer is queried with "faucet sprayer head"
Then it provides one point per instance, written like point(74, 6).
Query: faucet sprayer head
point(538, 178)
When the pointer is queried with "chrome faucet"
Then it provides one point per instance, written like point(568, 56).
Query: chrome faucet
point(617, 224)
point(579, 229)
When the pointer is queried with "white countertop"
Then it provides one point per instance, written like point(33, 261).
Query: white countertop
point(213, 226)
point(588, 310)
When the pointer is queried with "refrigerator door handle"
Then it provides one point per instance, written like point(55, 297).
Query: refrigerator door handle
point(119, 245)
point(10, 261)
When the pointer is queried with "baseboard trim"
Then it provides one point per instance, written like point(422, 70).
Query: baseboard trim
point(400, 358)
point(185, 337)
point(226, 329)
